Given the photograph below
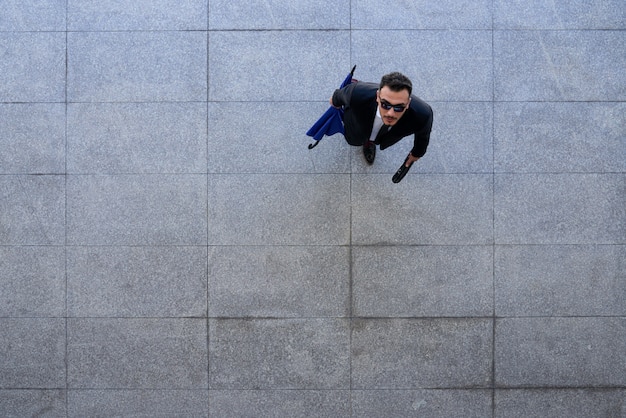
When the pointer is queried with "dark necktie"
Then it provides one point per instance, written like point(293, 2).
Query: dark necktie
point(383, 130)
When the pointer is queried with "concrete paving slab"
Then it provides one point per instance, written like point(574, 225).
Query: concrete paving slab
point(421, 14)
point(116, 15)
point(421, 353)
point(136, 353)
point(423, 403)
point(424, 281)
point(560, 352)
point(275, 147)
point(279, 354)
point(159, 208)
point(33, 402)
point(32, 281)
point(32, 68)
point(279, 403)
point(279, 281)
point(559, 137)
point(136, 210)
point(462, 139)
point(415, 212)
point(32, 353)
point(119, 138)
point(89, 403)
point(556, 403)
point(559, 14)
point(137, 281)
point(136, 66)
point(277, 66)
point(559, 66)
point(32, 209)
point(279, 14)
point(33, 15)
point(560, 280)
point(33, 138)
point(279, 209)
point(446, 65)
point(559, 208)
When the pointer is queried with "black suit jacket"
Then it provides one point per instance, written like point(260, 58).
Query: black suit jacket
point(359, 102)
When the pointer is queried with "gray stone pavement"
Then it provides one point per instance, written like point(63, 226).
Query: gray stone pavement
point(170, 247)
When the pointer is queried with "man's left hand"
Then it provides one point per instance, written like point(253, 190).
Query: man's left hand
point(410, 160)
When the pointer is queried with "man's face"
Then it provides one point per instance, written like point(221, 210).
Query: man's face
point(392, 104)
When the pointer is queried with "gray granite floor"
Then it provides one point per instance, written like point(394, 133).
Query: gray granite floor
point(170, 247)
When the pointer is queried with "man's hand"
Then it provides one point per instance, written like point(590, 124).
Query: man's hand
point(332, 104)
point(404, 168)
point(410, 160)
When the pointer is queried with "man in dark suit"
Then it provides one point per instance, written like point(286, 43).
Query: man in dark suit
point(382, 114)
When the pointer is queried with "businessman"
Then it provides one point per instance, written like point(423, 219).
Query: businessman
point(382, 114)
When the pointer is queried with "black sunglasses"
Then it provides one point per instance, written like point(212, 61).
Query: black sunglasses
point(396, 108)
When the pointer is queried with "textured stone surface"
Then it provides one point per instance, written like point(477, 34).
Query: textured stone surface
point(136, 210)
point(560, 403)
point(277, 66)
point(421, 353)
point(32, 68)
point(277, 281)
point(169, 353)
point(187, 403)
point(560, 208)
point(559, 137)
point(559, 14)
point(558, 66)
point(114, 138)
point(277, 147)
point(136, 66)
point(170, 246)
point(557, 280)
point(279, 209)
point(279, 403)
point(111, 15)
point(560, 352)
point(279, 14)
point(279, 354)
point(33, 138)
point(416, 212)
point(33, 15)
point(421, 14)
point(32, 281)
point(32, 353)
point(422, 281)
point(446, 65)
point(422, 403)
point(32, 210)
point(33, 403)
point(136, 281)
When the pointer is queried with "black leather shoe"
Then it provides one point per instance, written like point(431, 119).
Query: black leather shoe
point(369, 151)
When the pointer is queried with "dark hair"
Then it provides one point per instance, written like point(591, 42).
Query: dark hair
point(396, 82)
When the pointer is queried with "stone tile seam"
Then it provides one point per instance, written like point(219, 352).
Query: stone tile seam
point(291, 173)
point(346, 29)
point(77, 246)
point(138, 102)
point(288, 173)
point(316, 318)
point(359, 389)
point(502, 388)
